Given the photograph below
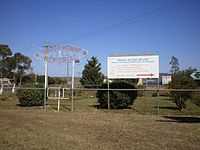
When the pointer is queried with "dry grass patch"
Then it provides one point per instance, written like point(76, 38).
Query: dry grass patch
point(102, 130)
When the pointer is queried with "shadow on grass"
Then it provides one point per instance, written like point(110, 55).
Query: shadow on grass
point(94, 106)
point(68, 107)
point(97, 106)
point(20, 105)
point(167, 107)
point(180, 119)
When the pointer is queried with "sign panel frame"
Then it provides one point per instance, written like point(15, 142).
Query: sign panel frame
point(133, 67)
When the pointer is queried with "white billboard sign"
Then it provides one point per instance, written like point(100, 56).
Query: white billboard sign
point(134, 67)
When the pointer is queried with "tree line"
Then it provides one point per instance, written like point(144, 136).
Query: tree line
point(14, 66)
point(17, 66)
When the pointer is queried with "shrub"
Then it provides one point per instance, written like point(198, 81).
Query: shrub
point(154, 94)
point(196, 98)
point(118, 99)
point(182, 80)
point(180, 99)
point(31, 97)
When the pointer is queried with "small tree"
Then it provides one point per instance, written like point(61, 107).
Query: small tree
point(182, 80)
point(91, 75)
point(174, 65)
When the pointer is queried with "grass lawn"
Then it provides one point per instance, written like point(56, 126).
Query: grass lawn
point(163, 106)
point(23, 128)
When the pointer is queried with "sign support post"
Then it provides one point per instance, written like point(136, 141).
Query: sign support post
point(73, 65)
point(158, 94)
point(108, 94)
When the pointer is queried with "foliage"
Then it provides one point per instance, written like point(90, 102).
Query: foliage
point(51, 80)
point(182, 80)
point(91, 75)
point(29, 78)
point(196, 98)
point(31, 97)
point(118, 99)
point(22, 66)
point(13, 66)
point(9, 66)
point(174, 65)
point(5, 52)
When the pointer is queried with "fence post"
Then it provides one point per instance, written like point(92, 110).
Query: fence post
point(108, 95)
point(158, 94)
point(63, 92)
point(58, 99)
point(73, 65)
point(46, 83)
point(1, 90)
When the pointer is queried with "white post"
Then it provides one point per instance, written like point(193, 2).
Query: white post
point(45, 82)
point(108, 94)
point(13, 88)
point(63, 90)
point(55, 93)
point(73, 65)
point(59, 100)
point(158, 94)
point(1, 90)
point(67, 75)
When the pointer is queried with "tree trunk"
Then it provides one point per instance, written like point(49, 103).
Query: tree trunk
point(20, 81)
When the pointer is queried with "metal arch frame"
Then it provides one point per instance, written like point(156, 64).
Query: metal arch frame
point(58, 49)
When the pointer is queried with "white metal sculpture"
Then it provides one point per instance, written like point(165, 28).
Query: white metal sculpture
point(57, 53)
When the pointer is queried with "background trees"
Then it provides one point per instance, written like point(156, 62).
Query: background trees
point(174, 65)
point(13, 66)
point(91, 75)
point(5, 53)
point(22, 65)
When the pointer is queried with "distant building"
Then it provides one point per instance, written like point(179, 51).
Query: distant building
point(165, 78)
point(5, 82)
point(4, 45)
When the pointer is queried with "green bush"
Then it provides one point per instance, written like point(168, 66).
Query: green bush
point(118, 99)
point(154, 94)
point(182, 80)
point(31, 97)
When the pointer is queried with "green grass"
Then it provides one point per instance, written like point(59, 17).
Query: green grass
point(143, 105)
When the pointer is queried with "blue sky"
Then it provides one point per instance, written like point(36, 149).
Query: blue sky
point(104, 27)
